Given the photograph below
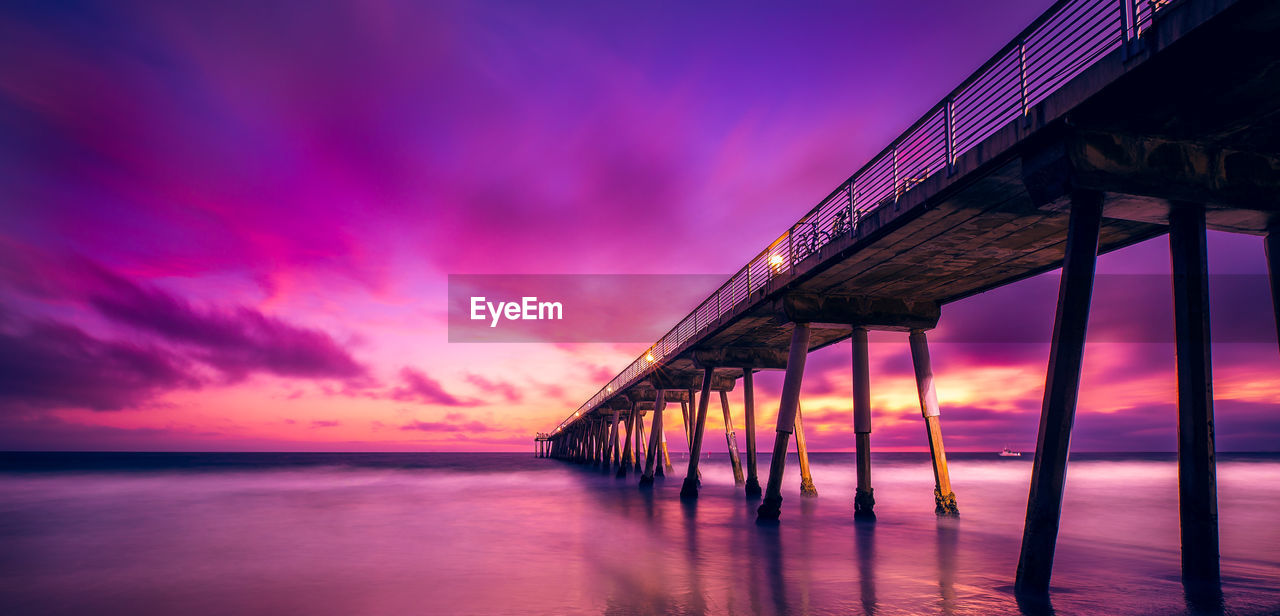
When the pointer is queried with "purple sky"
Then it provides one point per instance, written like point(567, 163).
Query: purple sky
point(228, 225)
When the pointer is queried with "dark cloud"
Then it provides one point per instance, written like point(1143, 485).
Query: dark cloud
point(421, 388)
point(50, 365)
point(174, 343)
point(237, 342)
point(325, 424)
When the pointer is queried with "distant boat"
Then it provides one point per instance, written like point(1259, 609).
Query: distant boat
point(1009, 453)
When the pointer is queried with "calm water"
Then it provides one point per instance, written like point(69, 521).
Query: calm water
point(511, 534)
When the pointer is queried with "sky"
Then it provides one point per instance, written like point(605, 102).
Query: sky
point(230, 225)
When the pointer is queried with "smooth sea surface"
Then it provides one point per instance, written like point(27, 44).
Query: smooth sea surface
point(440, 533)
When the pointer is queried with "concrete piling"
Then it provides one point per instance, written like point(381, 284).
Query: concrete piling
point(640, 441)
point(687, 408)
point(749, 409)
point(611, 445)
point(1197, 473)
point(616, 441)
point(863, 499)
point(651, 457)
point(1271, 248)
point(690, 488)
point(771, 507)
point(1062, 385)
point(731, 439)
point(628, 456)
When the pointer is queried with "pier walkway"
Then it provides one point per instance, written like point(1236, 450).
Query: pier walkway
point(1104, 123)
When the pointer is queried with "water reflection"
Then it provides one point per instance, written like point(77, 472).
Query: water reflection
point(865, 541)
point(540, 536)
point(770, 542)
point(1203, 596)
point(697, 602)
point(947, 540)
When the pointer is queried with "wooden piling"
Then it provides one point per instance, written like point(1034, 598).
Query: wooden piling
point(1062, 385)
point(749, 409)
point(771, 507)
point(691, 481)
point(1197, 474)
point(802, 451)
point(685, 423)
point(666, 455)
point(864, 496)
point(943, 497)
point(731, 439)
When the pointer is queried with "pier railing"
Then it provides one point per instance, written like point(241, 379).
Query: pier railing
point(1065, 40)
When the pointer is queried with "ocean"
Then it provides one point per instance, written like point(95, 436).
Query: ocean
point(444, 533)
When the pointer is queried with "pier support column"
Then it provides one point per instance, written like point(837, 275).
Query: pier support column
point(771, 508)
point(601, 443)
point(655, 429)
point(749, 409)
point(605, 435)
point(864, 497)
point(640, 441)
point(592, 442)
point(628, 456)
point(597, 442)
point(611, 446)
point(689, 418)
point(802, 452)
point(1272, 250)
point(1197, 475)
point(690, 487)
point(690, 413)
point(620, 434)
point(666, 455)
point(1061, 387)
point(732, 439)
point(944, 498)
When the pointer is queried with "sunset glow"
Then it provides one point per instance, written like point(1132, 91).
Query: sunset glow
point(213, 246)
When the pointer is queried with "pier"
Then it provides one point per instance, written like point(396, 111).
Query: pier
point(1102, 124)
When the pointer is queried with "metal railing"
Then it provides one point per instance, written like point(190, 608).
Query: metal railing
point(1060, 44)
